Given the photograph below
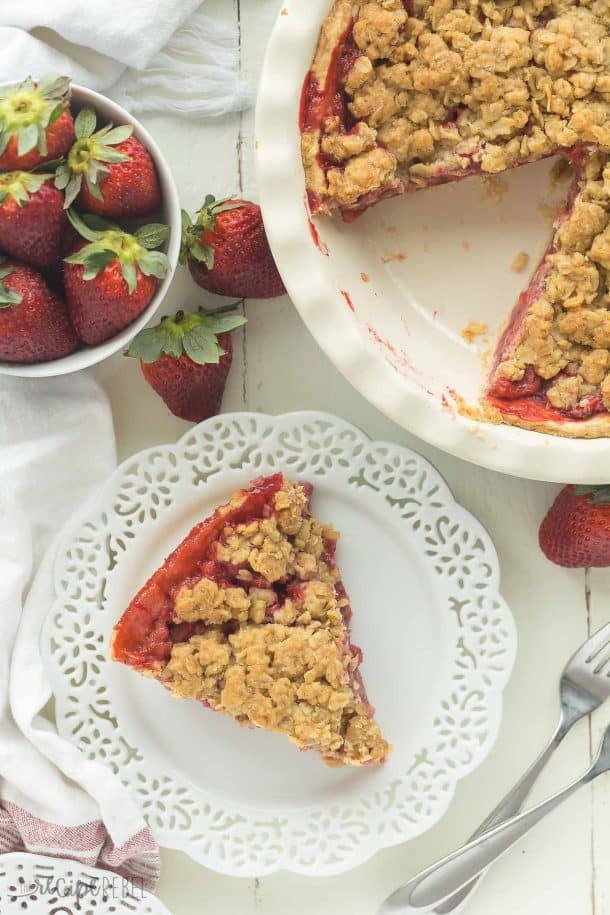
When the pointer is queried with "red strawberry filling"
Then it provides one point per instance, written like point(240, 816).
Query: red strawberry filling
point(320, 102)
point(141, 639)
point(571, 392)
point(506, 389)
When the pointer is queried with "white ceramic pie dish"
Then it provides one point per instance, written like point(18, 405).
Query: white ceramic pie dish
point(169, 214)
point(438, 641)
point(388, 296)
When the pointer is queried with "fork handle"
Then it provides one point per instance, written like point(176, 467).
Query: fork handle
point(514, 800)
point(510, 805)
point(461, 867)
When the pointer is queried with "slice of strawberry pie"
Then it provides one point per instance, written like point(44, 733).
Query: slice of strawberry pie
point(551, 369)
point(249, 617)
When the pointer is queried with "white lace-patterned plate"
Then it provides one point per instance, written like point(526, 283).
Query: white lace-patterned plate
point(438, 640)
point(37, 885)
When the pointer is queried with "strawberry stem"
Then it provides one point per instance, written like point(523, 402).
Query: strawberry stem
point(600, 494)
point(194, 334)
point(108, 243)
point(8, 296)
point(90, 156)
point(27, 109)
point(192, 232)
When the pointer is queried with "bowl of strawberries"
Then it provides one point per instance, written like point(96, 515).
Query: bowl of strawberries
point(90, 227)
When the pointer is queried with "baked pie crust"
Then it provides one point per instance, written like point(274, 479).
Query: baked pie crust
point(249, 617)
point(405, 94)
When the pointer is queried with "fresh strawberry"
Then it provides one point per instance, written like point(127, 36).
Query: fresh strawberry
point(32, 218)
point(119, 175)
point(35, 122)
point(112, 276)
point(227, 251)
point(34, 323)
point(186, 360)
point(576, 531)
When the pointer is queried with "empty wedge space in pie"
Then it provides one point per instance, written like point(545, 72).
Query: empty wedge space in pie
point(405, 95)
point(249, 616)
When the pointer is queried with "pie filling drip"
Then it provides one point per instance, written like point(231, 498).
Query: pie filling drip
point(402, 95)
point(254, 622)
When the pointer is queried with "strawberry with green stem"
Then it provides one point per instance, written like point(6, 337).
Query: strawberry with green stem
point(32, 218)
point(108, 171)
point(227, 250)
point(111, 276)
point(186, 359)
point(35, 122)
point(34, 322)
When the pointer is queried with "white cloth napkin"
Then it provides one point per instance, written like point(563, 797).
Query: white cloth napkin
point(150, 55)
point(56, 448)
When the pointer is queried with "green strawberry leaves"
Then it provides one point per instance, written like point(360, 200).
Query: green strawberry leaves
point(600, 494)
point(20, 185)
point(152, 263)
point(90, 157)
point(28, 139)
point(153, 235)
point(108, 243)
point(194, 334)
point(192, 246)
point(94, 262)
point(28, 109)
point(8, 296)
point(85, 123)
point(55, 88)
point(90, 226)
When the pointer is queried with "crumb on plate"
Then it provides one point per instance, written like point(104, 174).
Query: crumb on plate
point(520, 262)
point(473, 330)
point(494, 188)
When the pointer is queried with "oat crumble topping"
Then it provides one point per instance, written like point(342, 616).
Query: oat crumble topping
point(275, 651)
point(455, 87)
point(282, 678)
point(566, 330)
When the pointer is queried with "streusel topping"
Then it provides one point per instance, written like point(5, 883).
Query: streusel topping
point(566, 335)
point(287, 679)
point(215, 605)
point(288, 543)
point(271, 648)
point(454, 87)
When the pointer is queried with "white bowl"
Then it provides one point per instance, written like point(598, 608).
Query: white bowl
point(399, 343)
point(168, 214)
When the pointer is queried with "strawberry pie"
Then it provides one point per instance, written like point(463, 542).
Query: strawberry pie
point(249, 617)
point(405, 94)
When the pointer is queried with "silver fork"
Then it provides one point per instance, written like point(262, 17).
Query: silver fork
point(463, 866)
point(584, 685)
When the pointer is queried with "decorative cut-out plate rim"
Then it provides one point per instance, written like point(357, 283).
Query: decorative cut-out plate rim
point(32, 884)
point(323, 840)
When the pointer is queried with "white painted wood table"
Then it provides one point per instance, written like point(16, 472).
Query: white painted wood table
point(564, 866)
